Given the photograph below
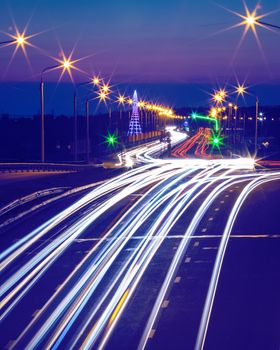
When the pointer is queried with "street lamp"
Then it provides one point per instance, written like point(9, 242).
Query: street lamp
point(102, 97)
point(256, 122)
point(252, 20)
point(66, 64)
point(87, 129)
point(121, 101)
point(256, 126)
point(219, 96)
point(235, 127)
point(269, 25)
point(96, 82)
point(241, 90)
point(20, 40)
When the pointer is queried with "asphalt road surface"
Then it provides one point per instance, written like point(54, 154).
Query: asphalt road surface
point(172, 254)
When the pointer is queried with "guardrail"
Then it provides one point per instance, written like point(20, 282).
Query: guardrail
point(41, 167)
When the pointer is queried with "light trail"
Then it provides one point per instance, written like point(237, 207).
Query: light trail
point(221, 254)
point(199, 142)
point(94, 295)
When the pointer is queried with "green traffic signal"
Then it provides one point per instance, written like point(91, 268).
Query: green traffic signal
point(111, 139)
point(216, 140)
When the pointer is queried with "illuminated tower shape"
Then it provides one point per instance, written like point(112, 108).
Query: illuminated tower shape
point(134, 125)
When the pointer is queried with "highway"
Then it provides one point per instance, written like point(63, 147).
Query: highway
point(144, 259)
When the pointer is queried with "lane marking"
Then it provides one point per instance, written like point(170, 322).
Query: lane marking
point(152, 333)
point(188, 259)
point(217, 209)
point(9, 345)
point(165, 304)
point(210, 219)
point(177, 279)
point(222, 202)
point(35, 313)
point(58, 286)
point(204, 230)
point(196, 244)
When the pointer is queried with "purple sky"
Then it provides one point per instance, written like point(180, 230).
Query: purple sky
point(158, 41)
point(144, 41)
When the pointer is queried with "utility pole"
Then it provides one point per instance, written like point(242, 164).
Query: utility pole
point(256, 126)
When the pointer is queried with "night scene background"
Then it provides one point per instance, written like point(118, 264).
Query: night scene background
point(139, 174)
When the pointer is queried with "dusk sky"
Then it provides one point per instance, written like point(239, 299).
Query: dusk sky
point(151, 42)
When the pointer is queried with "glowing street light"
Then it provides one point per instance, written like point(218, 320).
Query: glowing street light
point(141, 104)
point(96, 81)
point(102, 96)
point(222, 93)
point(250, 21)
point(240, 90)
point(105, 88)
point(219, 96)
point(121, 99)
point(213, 112)
point(20, 40)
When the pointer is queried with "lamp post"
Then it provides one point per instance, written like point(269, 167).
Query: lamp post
point(42, 103)
point(268, 24)
point(65, 64)
point(235, 126)
point(240, 90)
point(102, 96)
point(121, 101)
point(87, 129)
point(75, 127)
point(96, 82)
point(256, 126)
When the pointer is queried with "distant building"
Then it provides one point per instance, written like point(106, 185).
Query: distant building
point(134, 125)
